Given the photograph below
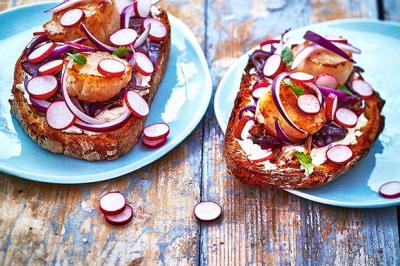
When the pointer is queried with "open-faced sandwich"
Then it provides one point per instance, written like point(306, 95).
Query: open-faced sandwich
point(83, 86)
point(303, 115)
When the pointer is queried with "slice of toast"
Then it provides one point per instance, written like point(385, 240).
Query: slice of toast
point(103, 146)
point(290, 175)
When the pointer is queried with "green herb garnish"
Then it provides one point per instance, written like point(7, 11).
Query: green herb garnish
point(306, 162)
point(344, 89)
point(121, 51)
point(296, 89)
point(287, 56)
point(78, 58)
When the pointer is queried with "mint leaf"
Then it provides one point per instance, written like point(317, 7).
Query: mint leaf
point(306, 161)
point(78, 58)
point(296, 89)
point(121, 51)
point(344, 89)
point(287, 56)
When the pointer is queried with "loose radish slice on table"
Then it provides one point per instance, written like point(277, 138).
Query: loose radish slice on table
point(339, 154)
point(346, 118)
point(123, 37)
point(301, 77)
point(273, 66)
point(153, 144)
point(363, 88)
point(142, 37)
point(142, 7)
point(111, 68)
point(390, 190)
point(136, 104)
point(331, 106)
point(41, 53)
point(51, 67)
point(308, 104)
point(207, 211)
point(326, 80)
point(242, 128)
point(42, 87)
point(121, 218)
point(156, 131)
point(112, 203)
point(158, 30)
point(72, 17)
point(143, 64)
point(261, 157)
point(58, 116)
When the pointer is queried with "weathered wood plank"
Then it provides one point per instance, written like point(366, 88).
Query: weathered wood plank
point(54, 224)
point(391, 10)
point(271, 227)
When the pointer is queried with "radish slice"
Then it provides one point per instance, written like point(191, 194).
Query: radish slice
point(326, 80)
point(121, 218)
point(42, 87)
point(273, 66)
point(261, 157)
point(142, 7)
point(262, 84)
point(207, 211)
point(72, 17)
point(243, 127)
point(363, 88)
point(136, 104)
point(123, 37)
point(308, 104)
point(142, 37)
point(301, 77)
point(331, 106)
point(112, 203)
point(143, 64)
point(51, 67)
point(111, 68)
point(158, 31)
point(156, 131)
point(259, 91)
point(80, 47)
point(58, 116)
point(390, 190)
point(346, 118)
point(42, 52)
point(339, 154)
point(155, 2)
point(153, 144)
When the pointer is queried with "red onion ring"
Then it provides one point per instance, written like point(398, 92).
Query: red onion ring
point(63, 49)
point(125, 16)
point(105, 126)
point(281, 134)
point(102, 46)
point(316, 90)
point(40, 105)
point(142, 37)
point(251, 108)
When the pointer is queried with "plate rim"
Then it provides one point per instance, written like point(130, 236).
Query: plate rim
point(156, 154)
point(298, 192)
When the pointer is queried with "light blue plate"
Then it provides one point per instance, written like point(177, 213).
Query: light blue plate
point(379, 42)
point(181, 101)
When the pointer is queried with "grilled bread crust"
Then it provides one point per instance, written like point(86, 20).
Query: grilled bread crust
point(290, 175)
point(103, 146)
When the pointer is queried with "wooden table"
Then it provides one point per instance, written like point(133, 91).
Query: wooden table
point(59, 224)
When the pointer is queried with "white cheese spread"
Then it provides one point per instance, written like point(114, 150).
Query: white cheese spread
point(252, 149)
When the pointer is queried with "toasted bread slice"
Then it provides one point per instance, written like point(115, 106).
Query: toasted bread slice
point(103, 146)
point(290, 175)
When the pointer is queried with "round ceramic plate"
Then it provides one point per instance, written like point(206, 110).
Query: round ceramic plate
point(181, 101)
point(379, 42)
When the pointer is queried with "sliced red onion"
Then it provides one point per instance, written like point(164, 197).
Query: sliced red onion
point(316, 90)
point(276, 85)
point(102, 46)
point(281, 135)
point(80, 47)
point(303, 54)
point(35, 42)
point(105, 126)
point(40, 105)
point(348, 47)
point(251, 108)
point(342, 97)
point(142, 37)
point(258, 59)
point(63, 49)
point(126, 15)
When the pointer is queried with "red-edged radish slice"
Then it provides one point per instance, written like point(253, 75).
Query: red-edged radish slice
point(42, 52)
point(42, 87)
point(363, 88)
point(308, 104)
point(153, 144)
point(72, 17)
point(268, 42)
point(58, 116)
point(339, 154)
point(156, 131)
point(121, 218)
point(273, 66)
point(346, 118)
point(51, 67)
point(111, 68)
point(301, 77)
point(158, 31)
point(123, 37)
point(326, 80)
point(207, 211)
point(142, 7)
point(242, 128)
point(261, 157)
point(331, 106)
point(112, 203)
point(136, 104)
point(143, 64)
point(262, 84)
point(142, 37)
point(336, 39)
point(259, 91)
point(390, 190)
